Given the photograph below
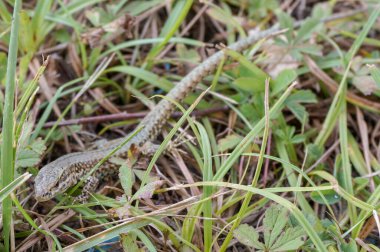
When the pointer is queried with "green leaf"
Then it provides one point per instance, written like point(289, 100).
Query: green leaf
point(298, 110)
point(283, 80)
point(27, 158)
point(115, 160)
point(361, 183)
point(29, 155)
point(375, 73)
point(252, 111)
point(297, 139)
point(148, 245)
point(229, 142)
point(190, 55)
point(26, 33)
point(294, 100)
point(38, 25)
point(96, 16)
point(274, 222)
point(250, 84)
point(248, 236)
point(321, 10)
point(330, 195)
point(290, 240)
point(306, 29)
point(246, 67)
point(38, 146)
point(309, 49)
point(286, 133)
point(140, 174)
point(314, 151)
point(349, 247)
point(146, 192)
point(302, 96)
point(127, 179)
point(286, 22)
point(129, 243)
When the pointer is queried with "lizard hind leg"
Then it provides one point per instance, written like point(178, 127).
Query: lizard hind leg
point(149, 148)
point(90, 186)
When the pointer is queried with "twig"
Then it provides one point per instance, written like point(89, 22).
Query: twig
point(129, 116)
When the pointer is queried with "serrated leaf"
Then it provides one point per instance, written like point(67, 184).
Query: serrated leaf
point(306, 29)
point(127, 179)
point(27, 158)
point(23, 140)
point(283, 80)
point(298, 110)
point(321, 10)
point(286, 22)
point(274, 222)
point(286, 133)
point(291, 239)
point(294, 100)
point(38, 146)
point(302, 96)
point(248, 236)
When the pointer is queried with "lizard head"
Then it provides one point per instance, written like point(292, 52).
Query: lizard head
point(55, 177)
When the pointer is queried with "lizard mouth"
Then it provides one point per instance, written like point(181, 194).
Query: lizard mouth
point(43, 197)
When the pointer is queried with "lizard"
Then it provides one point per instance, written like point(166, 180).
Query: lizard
point(66, 171)
point(56, 177)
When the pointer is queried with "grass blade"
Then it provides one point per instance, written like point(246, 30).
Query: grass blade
point(7, 150)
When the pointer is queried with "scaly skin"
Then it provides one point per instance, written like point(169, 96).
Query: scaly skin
point(66, 171)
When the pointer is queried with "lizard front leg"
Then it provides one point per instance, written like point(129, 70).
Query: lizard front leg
point(90, 186)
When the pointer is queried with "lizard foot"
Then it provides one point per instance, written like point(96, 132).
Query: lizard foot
point(179, 140)
point(90, 185)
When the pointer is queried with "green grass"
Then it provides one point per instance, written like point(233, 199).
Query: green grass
point(7, 149)
point(285, 167)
